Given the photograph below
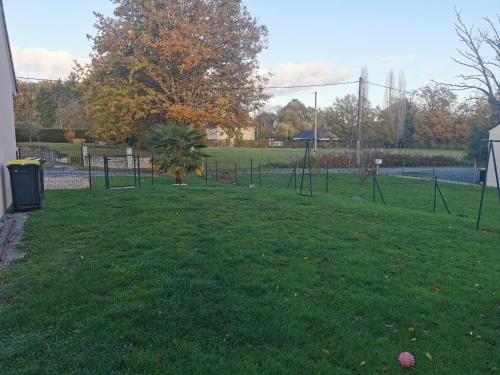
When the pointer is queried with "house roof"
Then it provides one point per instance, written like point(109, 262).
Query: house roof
point(309, 134)
point(495, 129)
point(9, 51)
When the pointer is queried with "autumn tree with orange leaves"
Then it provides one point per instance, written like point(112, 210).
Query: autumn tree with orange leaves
point(192, 62)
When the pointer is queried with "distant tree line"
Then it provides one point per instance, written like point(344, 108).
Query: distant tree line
point(50, 105)
point(433, 117)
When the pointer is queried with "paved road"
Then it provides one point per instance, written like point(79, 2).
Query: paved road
point(455, 174)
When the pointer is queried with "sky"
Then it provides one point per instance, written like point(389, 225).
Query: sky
point(310, 42)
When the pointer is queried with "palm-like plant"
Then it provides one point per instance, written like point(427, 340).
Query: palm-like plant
point(178, 150)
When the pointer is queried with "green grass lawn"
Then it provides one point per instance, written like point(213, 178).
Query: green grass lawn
point(411, 193)
point(226, 156)
point(227, 279)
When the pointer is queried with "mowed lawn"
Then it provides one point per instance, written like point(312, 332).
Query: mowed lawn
point(227, 279)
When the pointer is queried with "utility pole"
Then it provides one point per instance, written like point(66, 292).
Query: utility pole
point(360, 101)
point(315, 123)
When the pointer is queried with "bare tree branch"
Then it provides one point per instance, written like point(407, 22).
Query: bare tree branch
point(473, 57)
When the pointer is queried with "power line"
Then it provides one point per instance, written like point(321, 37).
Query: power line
point(392, 88)
point(268, 87)
point(41, 79)
point(312, 85)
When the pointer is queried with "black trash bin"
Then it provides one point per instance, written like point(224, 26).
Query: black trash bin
point(482, 175)
point(25, 182)
point(40, 171)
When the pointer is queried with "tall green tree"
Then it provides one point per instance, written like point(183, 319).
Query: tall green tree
point(46, 105)
point(294, 117)
point(341, 118)
point(480, 124)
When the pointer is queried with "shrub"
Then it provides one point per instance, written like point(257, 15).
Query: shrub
point(69, 134)
point(49, 135)
point(346, 160)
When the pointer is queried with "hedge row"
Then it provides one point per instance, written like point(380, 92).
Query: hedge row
point(392, 160)
point(49, 135)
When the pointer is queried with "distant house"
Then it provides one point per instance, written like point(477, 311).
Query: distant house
point(217, 135)
point(323, 135)
point(7, 131)
point(491, 178)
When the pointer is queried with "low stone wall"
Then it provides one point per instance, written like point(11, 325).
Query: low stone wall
point(120, 162)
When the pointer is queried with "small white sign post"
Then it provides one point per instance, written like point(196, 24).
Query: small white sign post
point(378, 163)
point(130, 159)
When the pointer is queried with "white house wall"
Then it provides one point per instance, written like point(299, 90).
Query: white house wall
point(490, 179)
point(7, 131)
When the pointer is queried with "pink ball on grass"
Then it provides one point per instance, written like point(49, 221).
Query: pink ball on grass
point(406, 359)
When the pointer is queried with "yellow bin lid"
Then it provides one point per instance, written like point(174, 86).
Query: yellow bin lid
point(24, 162)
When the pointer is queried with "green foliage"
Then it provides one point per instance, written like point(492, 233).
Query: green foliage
point(179, 150)
point(47, 135)
point(480, 123)
point(50, 104)
point(46, 107)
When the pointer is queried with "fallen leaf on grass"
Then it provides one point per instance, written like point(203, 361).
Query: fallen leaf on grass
point(436, 289)
point(326, 352)
point(429, 356)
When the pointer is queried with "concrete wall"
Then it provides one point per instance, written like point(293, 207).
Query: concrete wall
point(217, 134)
point(7, 131)
point(490, 179)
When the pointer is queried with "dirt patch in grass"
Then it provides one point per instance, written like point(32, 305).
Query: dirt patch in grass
point(11, 228)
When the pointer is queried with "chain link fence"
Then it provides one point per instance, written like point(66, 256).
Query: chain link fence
point(450, 190)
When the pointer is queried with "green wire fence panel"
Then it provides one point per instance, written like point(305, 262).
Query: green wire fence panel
point(122, 171)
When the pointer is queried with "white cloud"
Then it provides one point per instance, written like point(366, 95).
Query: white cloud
point(43, 63)
point(311, 73)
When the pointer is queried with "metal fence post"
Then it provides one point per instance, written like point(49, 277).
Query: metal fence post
point(90, 172)
point(106, 172)
point(295, 177)
point(235, 173)
point(497, 178)
point(490, 145)
point(435, 193)
point(251, 171)
point(206, 172)
point(139, 168)
point(326, 167)
point(135, 171)
point(152, 171)
point(442, 197)
point(373, 188)
point(260, 177)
